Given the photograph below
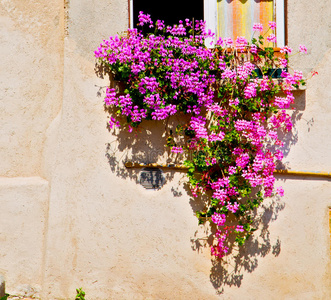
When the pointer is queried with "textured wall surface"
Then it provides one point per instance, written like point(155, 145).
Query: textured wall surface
point(23, 223)
point(72, 215)
point(31, 81)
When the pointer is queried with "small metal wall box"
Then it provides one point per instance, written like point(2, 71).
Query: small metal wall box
point(151, 178)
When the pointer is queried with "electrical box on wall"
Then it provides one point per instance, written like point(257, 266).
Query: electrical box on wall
point(151, 178)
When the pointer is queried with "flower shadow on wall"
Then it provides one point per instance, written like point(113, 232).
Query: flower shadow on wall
point(144, 145)
point(230, 270)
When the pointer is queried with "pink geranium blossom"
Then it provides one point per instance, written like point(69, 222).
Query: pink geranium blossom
point(228, 41)
point(272, 38)
point(286, 49)
point(177, 150)
point(303, 49)
point(258, 27)
point(272, 25)
point(280, 191)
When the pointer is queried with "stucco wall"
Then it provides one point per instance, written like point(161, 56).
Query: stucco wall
point(73, 216)
point(31, 81)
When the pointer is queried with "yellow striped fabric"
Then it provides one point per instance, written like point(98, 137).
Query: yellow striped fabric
point(236, 17)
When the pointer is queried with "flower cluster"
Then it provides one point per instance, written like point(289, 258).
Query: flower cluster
point(235, 117)
point(164, 72)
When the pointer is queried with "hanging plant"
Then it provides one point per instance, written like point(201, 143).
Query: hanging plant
point(235, 117)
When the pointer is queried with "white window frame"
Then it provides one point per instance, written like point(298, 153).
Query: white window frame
point(210, 16)
point(280, 22)
point(131, 14)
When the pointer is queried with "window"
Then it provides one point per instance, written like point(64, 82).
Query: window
point(171, 13)
point(227, 18)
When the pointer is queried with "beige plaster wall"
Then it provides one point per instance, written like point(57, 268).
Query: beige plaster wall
point(31, 81)
point(23, 222)
point(75, 217)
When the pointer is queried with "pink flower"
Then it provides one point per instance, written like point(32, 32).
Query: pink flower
point(271, 38)
point(302, 49)
point(254, 49)
point(218, 219)
point(279, 155)
point(242, 160)
point(160, 24)
point(234, 101)
point(258, 27)
point(286, 49)
point(228, 41)
point(220, 42)
point(240, 228)
point(313, 73)
point(283, 62)
point(213, 137)
point(250, 90)
point(228, 74)
point(280, 191)
point(273, 134)
point(145, 19)
point(177, 150)
point(241, 43)
point(282, 102)
point(220, 249)
point(272, 25)
point(113, 122)
point(221, 196)
point(233, 207)
point(232, 170)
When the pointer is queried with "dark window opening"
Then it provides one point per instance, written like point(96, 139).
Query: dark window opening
point(171, 11)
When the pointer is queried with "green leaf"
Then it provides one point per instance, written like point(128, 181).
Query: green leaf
point(5, 297)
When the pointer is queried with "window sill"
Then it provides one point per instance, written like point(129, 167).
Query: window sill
point(280, 81)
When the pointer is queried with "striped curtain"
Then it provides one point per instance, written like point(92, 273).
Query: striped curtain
point(236, 17)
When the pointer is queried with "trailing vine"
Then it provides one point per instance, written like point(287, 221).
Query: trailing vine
point(231, 142)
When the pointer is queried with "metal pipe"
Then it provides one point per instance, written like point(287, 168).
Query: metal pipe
point(179, 167)
point(303, 173)
point(132, 165)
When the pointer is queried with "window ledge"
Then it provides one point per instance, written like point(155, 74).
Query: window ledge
point(280, 81)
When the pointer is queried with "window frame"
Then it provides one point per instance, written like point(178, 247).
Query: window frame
point(210, 16)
